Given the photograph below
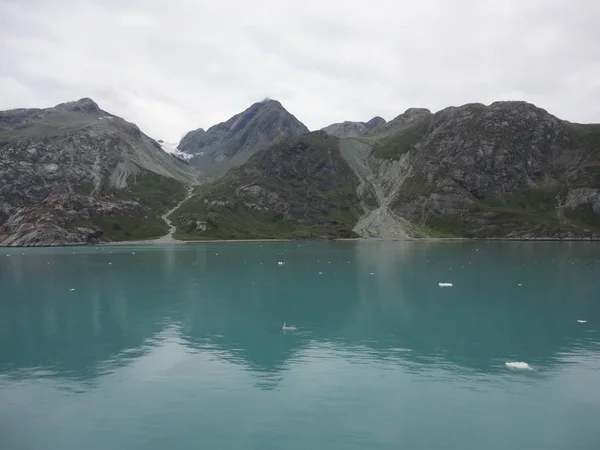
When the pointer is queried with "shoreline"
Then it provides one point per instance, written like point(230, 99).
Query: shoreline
point(161, 242)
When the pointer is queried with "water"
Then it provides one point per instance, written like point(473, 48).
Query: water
point(179, 347)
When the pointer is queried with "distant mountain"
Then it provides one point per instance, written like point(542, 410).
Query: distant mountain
point(78, 149)
point(353, 129)
point(507, 170)
point(233, 142)
point(75, 173)
point(299, 188)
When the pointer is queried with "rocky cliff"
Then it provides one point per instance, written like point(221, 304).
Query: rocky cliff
point(353, 129)
point(508, 170)
point(233, 142)
point(77, 148)
point(67, 219)
point(300, 188)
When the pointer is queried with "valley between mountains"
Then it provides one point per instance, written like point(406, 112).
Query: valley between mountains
point(76, 174)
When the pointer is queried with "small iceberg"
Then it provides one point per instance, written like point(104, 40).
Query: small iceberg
point(581, 321)
point(280, 263)
point(518, 365)
point(445, 284)
point(72, 289)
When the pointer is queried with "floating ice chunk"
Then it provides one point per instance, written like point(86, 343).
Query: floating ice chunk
point(280, 263)
point(72, 289)
point(518, 365)
point(372, 273)
point(109, 264)
point(133, 253)
point(445, 284)
point(320, 273)
point(581, 321)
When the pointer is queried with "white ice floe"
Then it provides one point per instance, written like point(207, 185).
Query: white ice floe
point(445, 284)
point(280, 263)
point(518, 365)
point(72, 289)
point(581, 321)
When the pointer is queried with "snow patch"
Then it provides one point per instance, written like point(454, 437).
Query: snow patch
point(171, 148)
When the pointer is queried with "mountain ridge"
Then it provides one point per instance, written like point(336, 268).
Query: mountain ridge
point(506, 170)
point(353, 129)
point(76, 148)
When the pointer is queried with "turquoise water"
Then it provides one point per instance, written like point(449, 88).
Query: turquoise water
point(180, 347)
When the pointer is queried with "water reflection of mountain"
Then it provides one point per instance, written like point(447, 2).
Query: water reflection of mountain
point(376, 299)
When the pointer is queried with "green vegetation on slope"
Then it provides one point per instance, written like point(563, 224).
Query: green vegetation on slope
point(155, 193)
point(299, 189)
point(530, 210)
point(393, 147)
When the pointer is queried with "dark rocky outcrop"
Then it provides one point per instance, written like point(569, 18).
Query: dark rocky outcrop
point(65, 219)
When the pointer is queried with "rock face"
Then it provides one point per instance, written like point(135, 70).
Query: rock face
point(506, 170)
point(231, 143)
point(74, 147)
point(300, 188)
point(353, 129)
point(77, 148)
point(64, 219)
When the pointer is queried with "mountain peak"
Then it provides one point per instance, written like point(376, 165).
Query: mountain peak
point(232, 142)
point(82, 105)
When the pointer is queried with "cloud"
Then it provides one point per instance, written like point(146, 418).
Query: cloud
point(172, 66)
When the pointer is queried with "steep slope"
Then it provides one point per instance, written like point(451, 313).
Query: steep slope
point(300, 188)
point(231, 143)
point(506, 170)
point(79, 149)
point(353, 129)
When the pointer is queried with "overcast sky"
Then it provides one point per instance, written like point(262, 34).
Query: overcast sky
point(175, 65)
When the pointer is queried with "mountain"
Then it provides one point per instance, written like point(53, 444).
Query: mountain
point(231, 143)
point(76, 149)
point(353, 129)
point(299, 188)
point(507, 170)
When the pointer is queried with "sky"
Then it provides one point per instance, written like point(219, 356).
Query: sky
point(177, 65)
